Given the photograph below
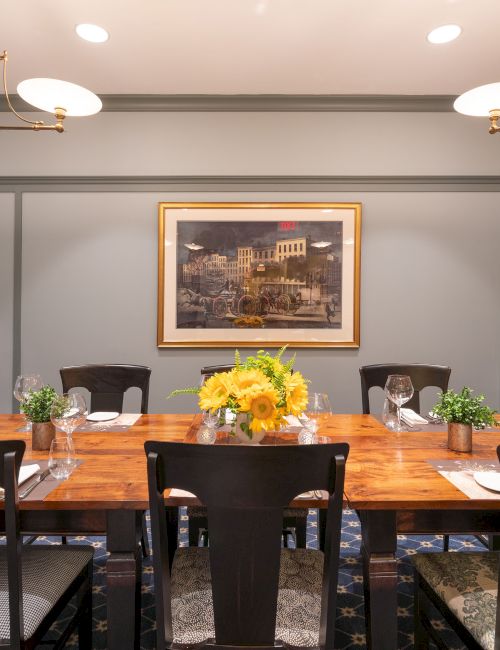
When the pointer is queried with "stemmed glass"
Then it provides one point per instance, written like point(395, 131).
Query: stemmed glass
point(68, 412)
point(399, 389)
point(24, 384)
point(317, 412)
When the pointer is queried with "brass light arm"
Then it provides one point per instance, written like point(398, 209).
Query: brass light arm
point(494, 117)
point(35, 125)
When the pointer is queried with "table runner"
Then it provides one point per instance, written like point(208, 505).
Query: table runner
point(122, 423)
point(460, 473)
point(46, 486)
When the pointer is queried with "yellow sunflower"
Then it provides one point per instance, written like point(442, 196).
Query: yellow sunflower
point(215, 391)
point(296, 393)
point(245, 379)
point(261, 403)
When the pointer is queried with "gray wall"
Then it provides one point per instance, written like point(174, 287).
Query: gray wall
point(429, 279)
point(6, 299)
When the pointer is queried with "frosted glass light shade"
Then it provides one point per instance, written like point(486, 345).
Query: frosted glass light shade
point(49, 94)
point(479, 101)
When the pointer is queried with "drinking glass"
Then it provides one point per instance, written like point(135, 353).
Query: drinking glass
point(399, 389)
point(68, 412)
point(24, 384)
point(61, 457)
point(317, 412)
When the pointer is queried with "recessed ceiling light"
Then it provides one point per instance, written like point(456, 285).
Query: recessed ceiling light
point(92, 33)
point(444, 34)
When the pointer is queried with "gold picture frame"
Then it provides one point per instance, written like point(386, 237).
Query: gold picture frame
point(259, 274)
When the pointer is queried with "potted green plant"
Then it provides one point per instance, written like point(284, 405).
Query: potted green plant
point(462, 411)
point(37, 407)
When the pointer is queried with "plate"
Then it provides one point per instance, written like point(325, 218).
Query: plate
point(102, 416)
point(489, 480)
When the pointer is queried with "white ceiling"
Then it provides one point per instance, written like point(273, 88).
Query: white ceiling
point(254, 46)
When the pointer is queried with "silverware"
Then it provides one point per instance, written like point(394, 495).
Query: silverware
point(39, 478)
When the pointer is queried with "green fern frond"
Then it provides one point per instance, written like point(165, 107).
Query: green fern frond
point(194, 390)
point(237, 359)
point(280, 352)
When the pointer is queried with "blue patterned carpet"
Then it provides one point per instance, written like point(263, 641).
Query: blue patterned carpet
point(350, 612)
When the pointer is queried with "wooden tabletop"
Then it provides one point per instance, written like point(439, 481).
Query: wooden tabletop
point(385, 470)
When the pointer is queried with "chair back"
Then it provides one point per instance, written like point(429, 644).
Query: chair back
point(11, 455)
point(209, 371)
point(245, 489)
point(422, 376)
point(107, 383)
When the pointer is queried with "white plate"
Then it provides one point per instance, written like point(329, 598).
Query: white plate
point(490, 480)
point(102, 416)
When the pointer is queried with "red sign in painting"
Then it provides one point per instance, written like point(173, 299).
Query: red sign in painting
point(286, 225)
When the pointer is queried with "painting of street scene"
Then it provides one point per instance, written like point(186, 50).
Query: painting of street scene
point(259, 274)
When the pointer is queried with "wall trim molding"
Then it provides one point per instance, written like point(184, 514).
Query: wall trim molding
point(265, 103)
point(275, 183)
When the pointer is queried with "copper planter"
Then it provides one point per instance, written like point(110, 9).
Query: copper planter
point(42, 435)
point(459, 436)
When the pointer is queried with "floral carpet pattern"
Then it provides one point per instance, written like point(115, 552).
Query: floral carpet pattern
point(350, 608)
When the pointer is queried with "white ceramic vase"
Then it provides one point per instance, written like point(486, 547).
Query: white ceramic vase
point(241, 434)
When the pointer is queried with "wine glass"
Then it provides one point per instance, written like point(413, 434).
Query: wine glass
point(61, 457)
point(317, 412)
point(399, 389)
point(24, 384)
point(68, 412)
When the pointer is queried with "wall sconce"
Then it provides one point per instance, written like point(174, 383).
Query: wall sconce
point(482, 101)
point(52, 95)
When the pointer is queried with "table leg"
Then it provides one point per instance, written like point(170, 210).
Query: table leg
point(380, 574)
point(123, 578)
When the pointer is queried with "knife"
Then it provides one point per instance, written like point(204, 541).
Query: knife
point(39, 478)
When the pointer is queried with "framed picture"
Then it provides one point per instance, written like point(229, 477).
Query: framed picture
point(255, 274)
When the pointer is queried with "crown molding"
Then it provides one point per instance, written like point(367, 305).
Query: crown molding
point(250, 183)
point(265, 103)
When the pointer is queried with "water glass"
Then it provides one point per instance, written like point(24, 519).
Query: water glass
point(24, 384)
point(399, 389)
point(317, 412)
point(390, 414)
point(62, 459)
point(68, 412)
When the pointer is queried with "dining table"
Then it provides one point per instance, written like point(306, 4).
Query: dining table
point(390, 481)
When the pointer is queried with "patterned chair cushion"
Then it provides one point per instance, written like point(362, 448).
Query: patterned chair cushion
point(468, 584)
point(47, 573)
point(299, 596)
point(201, 511)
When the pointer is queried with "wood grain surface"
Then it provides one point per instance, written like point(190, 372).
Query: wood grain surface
point(385, 470)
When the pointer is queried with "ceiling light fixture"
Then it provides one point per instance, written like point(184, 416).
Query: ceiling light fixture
point(482, 101)
point(92, 33)
point(52, 95)
point(444, 34)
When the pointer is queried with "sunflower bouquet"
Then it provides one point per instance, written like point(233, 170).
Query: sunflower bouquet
point(263, 387)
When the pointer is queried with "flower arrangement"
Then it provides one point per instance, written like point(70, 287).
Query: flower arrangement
point(263, 387)
point(464, 408)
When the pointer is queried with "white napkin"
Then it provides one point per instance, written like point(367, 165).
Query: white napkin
point(27, 471)
point(411, 418)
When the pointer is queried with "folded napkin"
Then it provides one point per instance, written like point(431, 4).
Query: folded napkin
point(25, 473)
point(411, 418)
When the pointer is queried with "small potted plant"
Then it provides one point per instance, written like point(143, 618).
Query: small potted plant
point(462, 411)
point(37, 407)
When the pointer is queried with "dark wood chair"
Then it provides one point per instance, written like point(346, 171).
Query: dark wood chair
point(107, 384)
point(245, 590)
point(37, 582)
point(294, 519)
point(422, 376)
point(464, 588)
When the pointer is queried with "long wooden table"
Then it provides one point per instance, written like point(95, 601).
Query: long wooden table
point(388, 481)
